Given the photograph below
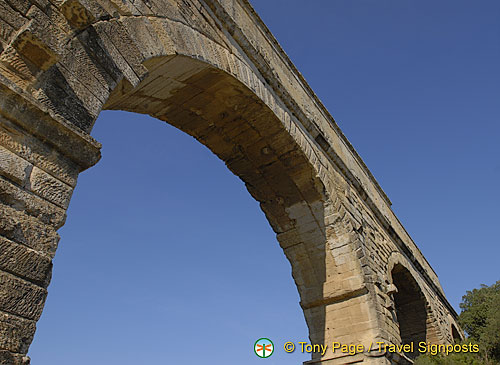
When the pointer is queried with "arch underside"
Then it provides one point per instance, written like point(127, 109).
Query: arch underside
point(313, 228)
point(187, 64)
point(228, 118)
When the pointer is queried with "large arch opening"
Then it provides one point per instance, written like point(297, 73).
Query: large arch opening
point(410, 305)
point(246, 133)
point(168, 271)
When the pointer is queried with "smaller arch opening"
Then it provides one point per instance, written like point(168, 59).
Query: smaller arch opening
point(410, 305)
point(455, 334)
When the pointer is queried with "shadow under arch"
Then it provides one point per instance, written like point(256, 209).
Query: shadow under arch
point(410, 305)
point(455, 334)
point(413, 312)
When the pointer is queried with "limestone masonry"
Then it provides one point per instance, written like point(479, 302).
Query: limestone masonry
point(212, 69)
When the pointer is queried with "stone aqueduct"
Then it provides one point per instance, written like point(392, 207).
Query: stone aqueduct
point(212, 69)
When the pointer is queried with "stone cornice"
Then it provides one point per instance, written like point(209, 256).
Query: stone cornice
point(22, 109)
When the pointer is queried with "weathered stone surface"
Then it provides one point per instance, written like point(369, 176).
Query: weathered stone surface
point(19, 67)
point(20, 297)
point(16, 333)
point(36, 122)
point(14, 167)
point(76, 13)
point(27, 230)
point(21, 199)
point(213, 70)
point(34, 50)
point(50, 188)
point(6, 32)
point(20, 5)
point(24, 145)
point(9, 358)
point(11, 16)
point(25, 262)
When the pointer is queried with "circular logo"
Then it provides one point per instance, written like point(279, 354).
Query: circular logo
point(263, 347)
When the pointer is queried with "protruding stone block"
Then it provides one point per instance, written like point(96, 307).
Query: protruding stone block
point(50, 188)
point(13, 167)
point(16, 333)
point(24, 262)
point(76, 14)
point(35, 50)
point(20, 297)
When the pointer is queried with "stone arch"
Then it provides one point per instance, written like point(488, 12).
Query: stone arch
point(140, 54)
point(205, 87)
point(413, 311)
point(225, 116)
point(410, 308)
point(248, 135)
point(456, 334)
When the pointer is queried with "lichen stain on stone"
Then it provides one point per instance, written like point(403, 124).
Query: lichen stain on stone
point(76, 14)
point(35, 51)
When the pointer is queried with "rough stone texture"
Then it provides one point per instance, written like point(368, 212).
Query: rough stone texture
point(27, 230)
point(19, 297)
point(16, 333)
point(212, 69)
point(24, 262)
point(13, 167)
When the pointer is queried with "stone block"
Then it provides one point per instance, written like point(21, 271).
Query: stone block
point(20, 297)
point(27, 230)
point(9, 358)
point(47, 212)
point(13, 167)
point(26, 146)
point(24, 262)
point(50, 188)
point(16, 333)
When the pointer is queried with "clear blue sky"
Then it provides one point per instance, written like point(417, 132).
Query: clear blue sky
point(166, 259)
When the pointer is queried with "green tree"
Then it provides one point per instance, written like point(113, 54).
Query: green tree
point(480, 319)
point(461, 358)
